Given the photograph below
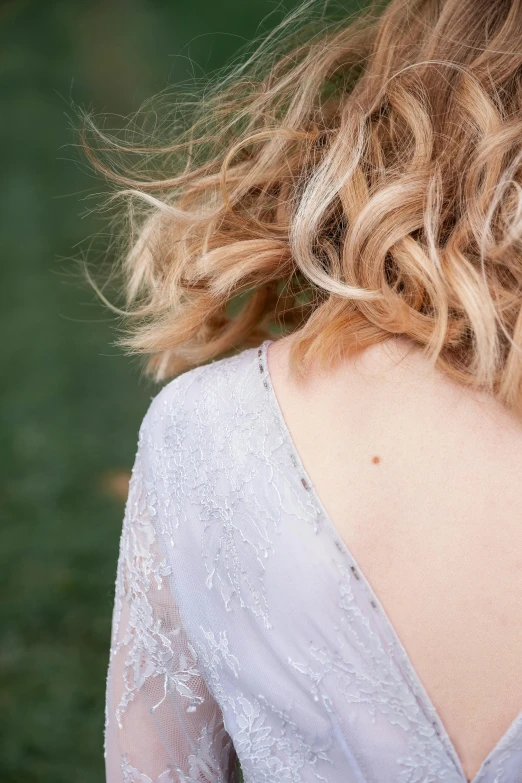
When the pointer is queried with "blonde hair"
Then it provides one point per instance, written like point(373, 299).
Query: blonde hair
point(350, 181)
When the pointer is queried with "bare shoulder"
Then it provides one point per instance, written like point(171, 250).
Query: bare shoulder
point(394, 377)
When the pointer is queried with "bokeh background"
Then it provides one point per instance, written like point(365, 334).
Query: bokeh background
point(71, 402)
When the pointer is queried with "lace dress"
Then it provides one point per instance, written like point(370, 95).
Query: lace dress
point(242, 627)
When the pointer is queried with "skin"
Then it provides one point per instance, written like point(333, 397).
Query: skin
point(421, 477)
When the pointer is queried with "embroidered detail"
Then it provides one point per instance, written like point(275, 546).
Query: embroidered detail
point(153, 679)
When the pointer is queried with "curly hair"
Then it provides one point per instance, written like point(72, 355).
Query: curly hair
point(349, 181)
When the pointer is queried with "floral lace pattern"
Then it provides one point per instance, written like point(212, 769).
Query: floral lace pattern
point(162, 725)
point(242, 627)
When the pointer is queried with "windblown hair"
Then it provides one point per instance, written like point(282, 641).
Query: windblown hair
point(352, 181)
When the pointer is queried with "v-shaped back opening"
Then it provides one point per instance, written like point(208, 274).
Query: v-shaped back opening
point(409, 671)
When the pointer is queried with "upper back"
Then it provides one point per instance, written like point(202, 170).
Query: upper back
point(421, 478)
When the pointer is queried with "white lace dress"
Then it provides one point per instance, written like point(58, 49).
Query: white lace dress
point(242, 626)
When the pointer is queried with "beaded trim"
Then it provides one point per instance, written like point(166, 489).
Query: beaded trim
point(407, 667)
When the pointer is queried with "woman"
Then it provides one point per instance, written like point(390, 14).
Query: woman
point(320, 574)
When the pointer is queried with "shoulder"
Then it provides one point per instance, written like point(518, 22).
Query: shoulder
point(204, 397)
point(194, 435)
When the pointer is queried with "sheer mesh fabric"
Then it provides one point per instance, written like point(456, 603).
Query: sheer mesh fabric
point(162, 723)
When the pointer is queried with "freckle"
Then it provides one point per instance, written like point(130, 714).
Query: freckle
point(375, 460)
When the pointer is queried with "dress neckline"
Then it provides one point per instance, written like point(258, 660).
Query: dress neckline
point(408, 670)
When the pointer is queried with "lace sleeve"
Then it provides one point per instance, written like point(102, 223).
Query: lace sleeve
point(162, 725)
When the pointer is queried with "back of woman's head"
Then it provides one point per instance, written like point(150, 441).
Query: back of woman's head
point(350, 181)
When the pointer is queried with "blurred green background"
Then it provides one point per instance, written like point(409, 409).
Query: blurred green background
point(71, 403)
